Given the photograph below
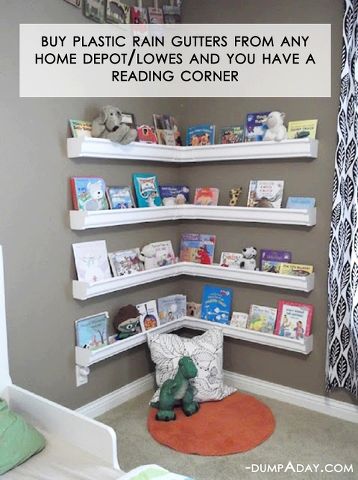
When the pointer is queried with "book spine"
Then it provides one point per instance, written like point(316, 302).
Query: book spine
point(74, 193)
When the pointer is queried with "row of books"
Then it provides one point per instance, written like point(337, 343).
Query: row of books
point(92, 193)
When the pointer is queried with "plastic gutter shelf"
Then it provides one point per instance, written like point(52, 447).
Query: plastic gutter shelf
point(88, 147)
point(83, 220)
point(83, 290)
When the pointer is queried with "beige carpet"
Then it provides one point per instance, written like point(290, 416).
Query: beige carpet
point(301, 437)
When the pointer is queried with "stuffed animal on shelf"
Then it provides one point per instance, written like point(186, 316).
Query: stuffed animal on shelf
point(235, 196)
point(178, 390)
point(109, 125)
point(126, 322)
point(148, 257)
point(249, 258)
point(276, 130)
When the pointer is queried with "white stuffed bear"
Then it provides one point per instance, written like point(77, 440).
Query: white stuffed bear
point(276, 129)
point(148, 257)
point(249, 260)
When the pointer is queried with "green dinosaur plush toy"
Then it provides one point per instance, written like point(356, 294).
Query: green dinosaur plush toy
point(178, 391)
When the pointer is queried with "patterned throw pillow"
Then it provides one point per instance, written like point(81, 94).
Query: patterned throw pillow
point(207, 352)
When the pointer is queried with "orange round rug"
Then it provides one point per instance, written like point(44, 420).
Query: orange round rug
point(236, 424)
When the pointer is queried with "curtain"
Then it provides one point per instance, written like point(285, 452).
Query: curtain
point(342, 355)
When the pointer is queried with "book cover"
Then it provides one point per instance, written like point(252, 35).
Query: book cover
point(138, 15)
point(234, 134)
point(297, 269)
point(262, 319)
point(88, 193)
point(146, 134)
point(80, 128)
point(117, 12)
point(193, 309)
point(171, 14)
point(147, 190)
point(155, 15)
point(206, 196)
point(302, 129)
point(171, 308)
point(200, 135)
point(239, 319)
point(197, 248)
point(92, 331)
point(125, 262)
point(95, 10)
point(270, 260)
point(294, 320)
point(120, 197)
point(164, 253)
point(148, 315)
point(301, 202)
point(216, 304)
point(174, 194)
point(164, 129)
point(255, 126)
point(231, 259)
point(265, 193)
point(177, 134)
point(91, 260)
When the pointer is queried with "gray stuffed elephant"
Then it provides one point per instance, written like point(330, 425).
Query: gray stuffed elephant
point(109, 125)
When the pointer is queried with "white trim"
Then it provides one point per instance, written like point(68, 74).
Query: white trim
point(5, 379)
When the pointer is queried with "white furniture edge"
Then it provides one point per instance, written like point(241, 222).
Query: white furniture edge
point(82, 290)
point(102, 148)
point(83, 220)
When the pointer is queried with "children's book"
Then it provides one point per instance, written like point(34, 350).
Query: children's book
point(255, 126)
point(125, 262)
point(295, 269)
point(174, 194)
point(147, 190)
point(146, 134)
point(171, 14)
point(302, 129)
point(88, 193)
point(91, 261)
point(92, 331)
point(197, 248)
point(155, 15)
point(216, 304)
point(231, 259)
point(139, 15)
point(171, 308)
point(294, 320)
point(300, 202)
point(165, 129)
point(270, 260)
point(239, 319)
point(117, 12)
point(81, 128)
point(265, 193)
point(235, 134)
point(193, 309)
point(262, 319)
point(120, 197)
point(95, 10)
point(148, 315)
point(177, 134)
point(164, 253)
point(206, 196)
point(200, 135)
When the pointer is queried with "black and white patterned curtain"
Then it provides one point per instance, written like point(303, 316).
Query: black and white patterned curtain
point(342, 357)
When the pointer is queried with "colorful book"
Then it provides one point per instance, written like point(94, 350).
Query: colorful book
point(265, 193)
point(81, 128)
point(92, 331)
point(148, 315)
point(231, 260)
point(262, 319)
point(120, 197)
point(117, 12)
point(239, 319)
point(171, 14)
point(125, 262)
point(255, 126)
point(146, 134)
point(193, 309)
point(302, 129)
point(294, 320)
point(164, 253)
point(295, 269)
point(216, 304)
point(171, 308)
point(200, 135)
point(197, 248)
point(270, 260)
point(91, 261)
point(174, 194)
point(300, 202)
point(206, 196)
point(234, 134)
point(139, 15)
point(147, 190)
point(88, 193)
point(155, 15)
point(95, 10)
point(164, 129)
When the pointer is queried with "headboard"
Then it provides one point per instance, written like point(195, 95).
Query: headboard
point(4, 359)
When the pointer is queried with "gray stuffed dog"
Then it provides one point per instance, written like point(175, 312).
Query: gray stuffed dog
point(109, 125)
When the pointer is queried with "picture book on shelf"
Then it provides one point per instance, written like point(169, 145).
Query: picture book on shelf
point(265, 193)
point(262, 319)
point(139, 15)
point(171, 14)
point(88, 193)
point(300, 202)
point(146, 189)
point(164, 253)
point(206, 196)
point(91, 260)
point(239, 319)
point(302, 129)
point(171, 308)
point(231, 259)
point(164, 129)
point(92, 331)
point(193, 309)
point(125, 262)
point(117, 12)
point(120, 197)
point(216, 304)
point(197, 248)
point(295, 269)
point(270, 260)
point(155, 15)
point(174, 194)
point(234, 134)
point(148, 315)
point(95, 10)
point(255, 126)
point(294, 320)
point(200, 135)
point(81, 128)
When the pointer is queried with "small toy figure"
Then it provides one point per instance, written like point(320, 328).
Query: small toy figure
point(235, 196)
point(109, 125)
point(148, 257)
point(276, 130)
point(126, 322)
point(249, 260)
